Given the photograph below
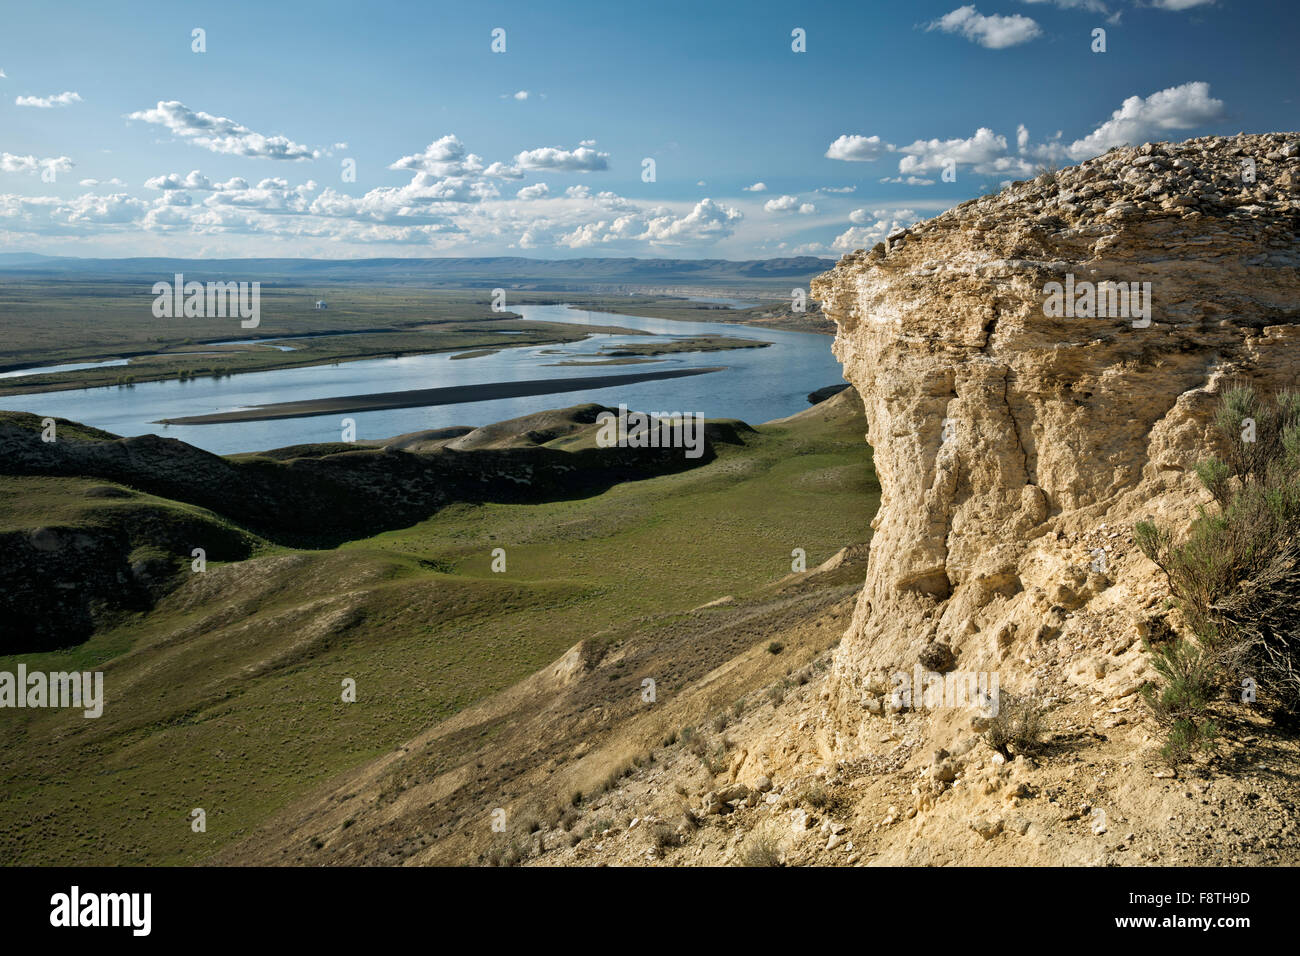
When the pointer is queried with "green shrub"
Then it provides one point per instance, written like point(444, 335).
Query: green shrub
point(760, 850)
point(1236, 579)
point(1018, 724)
point(664, 837)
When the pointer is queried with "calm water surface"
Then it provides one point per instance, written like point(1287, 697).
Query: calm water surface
point(758, 385)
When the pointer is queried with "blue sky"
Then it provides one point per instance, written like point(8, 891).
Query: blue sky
point(117, 139)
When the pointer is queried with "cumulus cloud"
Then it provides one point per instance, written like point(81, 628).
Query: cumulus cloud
point(46, 102)
point(789, 204)
point(503, 171)
point(857, 149)
point(982, 151)
point(836, 189)
point(117, 208)
point(449, 205)
point(866, 236)
point(447, 158)
point(443, 157)
point(1178, 107)
point(102, 182)
point(862, 216)
point(9, 163)
point(756, 188)
point(52, 215)
point(708, 220)
point(584, 159)
point(220, 135)
point(193, 180)
point(908, 180)
point(995, 32)
point(988, 154)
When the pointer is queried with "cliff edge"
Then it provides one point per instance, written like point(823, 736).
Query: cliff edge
point(1024, 414)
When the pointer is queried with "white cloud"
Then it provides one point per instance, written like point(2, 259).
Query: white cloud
point(982, 151)
point(862, 216)
point(3, 75)
point(51, 215)
point(908, 180)
point(521, 95)
point(857, 149)
point(708, 220)
point(866, 236)
point(431, 214)
point(756, 188)
point(1178, 107)
point(46, 102)
point(102, 182)
point(995, 32)
point(1179, 4)
point(836, 189)
point(116, 208)
point(220, 135)
point(502, 171)
point(789, 204)
point(9, 163)
point(193, 180)
point(584, 159)
point(443, 157)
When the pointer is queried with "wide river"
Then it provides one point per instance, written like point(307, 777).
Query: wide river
point(758, 385)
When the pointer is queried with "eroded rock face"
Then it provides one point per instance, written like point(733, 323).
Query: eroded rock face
point(1016, 450)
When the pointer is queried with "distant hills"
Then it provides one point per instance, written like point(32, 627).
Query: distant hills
point(506, 271)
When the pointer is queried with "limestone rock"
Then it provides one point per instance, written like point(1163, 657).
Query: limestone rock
point(1005, 438)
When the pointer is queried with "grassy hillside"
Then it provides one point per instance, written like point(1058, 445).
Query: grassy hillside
point(227, 694)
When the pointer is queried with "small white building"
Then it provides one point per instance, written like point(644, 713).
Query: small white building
point(321, 305)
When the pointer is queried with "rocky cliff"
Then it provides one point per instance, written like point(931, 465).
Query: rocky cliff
point(1021, 428)
point(1023, 416)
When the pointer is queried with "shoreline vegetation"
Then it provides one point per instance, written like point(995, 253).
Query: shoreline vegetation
point(423, 397)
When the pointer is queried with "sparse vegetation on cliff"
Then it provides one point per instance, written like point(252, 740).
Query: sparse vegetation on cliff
point(1236, 578)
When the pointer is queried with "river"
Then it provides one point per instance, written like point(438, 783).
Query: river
point(758, 385)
